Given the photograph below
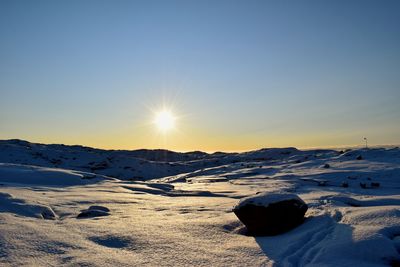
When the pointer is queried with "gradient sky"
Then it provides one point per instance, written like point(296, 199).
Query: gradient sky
point(238, 75)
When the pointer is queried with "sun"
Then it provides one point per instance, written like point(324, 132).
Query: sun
point(164, 120)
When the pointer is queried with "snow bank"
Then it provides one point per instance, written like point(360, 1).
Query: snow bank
point(265, 199)
point(21, 207)
point(33, 175)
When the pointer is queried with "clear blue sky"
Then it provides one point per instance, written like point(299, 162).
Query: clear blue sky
point(237, 74)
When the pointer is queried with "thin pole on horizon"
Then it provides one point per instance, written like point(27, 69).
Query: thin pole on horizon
point(366, 142)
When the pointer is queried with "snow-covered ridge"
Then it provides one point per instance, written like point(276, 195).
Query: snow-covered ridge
point(139, 164)
point(135, 165)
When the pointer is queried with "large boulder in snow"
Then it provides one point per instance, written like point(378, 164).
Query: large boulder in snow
point(270, 214)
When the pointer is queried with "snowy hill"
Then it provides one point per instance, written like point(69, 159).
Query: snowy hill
point(140, 164)
point(134, 165)
point(78, 206)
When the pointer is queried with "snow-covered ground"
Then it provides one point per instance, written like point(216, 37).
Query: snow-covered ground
point(174, 209)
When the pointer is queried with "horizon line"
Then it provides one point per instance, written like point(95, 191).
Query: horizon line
point(338, 147)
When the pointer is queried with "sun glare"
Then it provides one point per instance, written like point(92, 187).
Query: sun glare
point(164, 120)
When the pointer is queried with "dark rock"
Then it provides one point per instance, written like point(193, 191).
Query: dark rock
point(270, 214)
point(395, 263)
point(345, 184)
point(99, 166)
point(92, 213)
point(48, 214)
point(327, 166)
point(375, 184)
point(56, 161)
point(359, 157)
point(102, 208)
point(363, 185)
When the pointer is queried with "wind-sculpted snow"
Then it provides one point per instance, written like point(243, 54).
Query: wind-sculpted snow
point(185, 218)
point(33, 175)
point(22, 208)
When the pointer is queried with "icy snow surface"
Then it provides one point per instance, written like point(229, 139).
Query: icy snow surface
point(265, 199)
point(183, 217)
